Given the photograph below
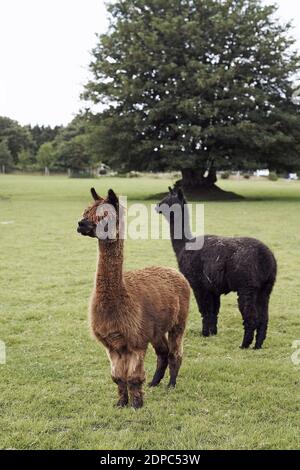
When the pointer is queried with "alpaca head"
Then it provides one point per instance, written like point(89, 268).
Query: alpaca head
point(101, 219)
point(174, 198)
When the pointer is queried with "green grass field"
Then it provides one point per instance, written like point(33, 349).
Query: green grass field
point(56, 390)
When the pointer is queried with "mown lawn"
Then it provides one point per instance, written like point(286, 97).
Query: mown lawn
point(55, 389)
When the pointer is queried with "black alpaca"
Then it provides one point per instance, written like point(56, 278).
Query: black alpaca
point(223, 265)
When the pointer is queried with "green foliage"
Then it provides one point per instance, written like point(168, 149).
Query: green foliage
point(25, 159)
point(6, 159)
point(43, 134)
point(225, 175)
point(73, 147)
point(58, 148)
point(56, 390)
point(185, 82)
point(73, 154)
point(75, 128)
point(273, 176)
point(46, 156)
point(17, 137)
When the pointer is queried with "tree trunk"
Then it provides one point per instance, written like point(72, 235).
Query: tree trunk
point(200, 184)
point(195, 179)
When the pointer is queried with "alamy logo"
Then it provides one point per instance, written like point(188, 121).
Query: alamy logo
point(2, 353)
point(296, 354)
point(144, 222)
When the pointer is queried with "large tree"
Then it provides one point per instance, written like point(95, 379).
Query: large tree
point(195, 85)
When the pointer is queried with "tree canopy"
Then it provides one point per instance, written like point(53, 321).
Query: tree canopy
point(195, 85)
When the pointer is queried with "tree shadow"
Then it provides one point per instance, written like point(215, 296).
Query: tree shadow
point(203, 195)
point(227, 196)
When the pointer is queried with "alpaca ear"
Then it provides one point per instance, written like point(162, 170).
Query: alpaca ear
point(94, 194)
point(180, 194)
point(112, 198)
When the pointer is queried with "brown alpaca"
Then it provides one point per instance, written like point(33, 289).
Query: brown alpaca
point(130, 310)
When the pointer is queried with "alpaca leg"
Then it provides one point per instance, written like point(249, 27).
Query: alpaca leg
point(175, 339)
point(123, 392)
point(247, 306)
point(136, 377)
point(205, 325)
point(263, 309)
point(162, 351)
point(206, 301)
point(213, 324)
point(118, 373)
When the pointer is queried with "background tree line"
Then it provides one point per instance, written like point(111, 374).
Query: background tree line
point(39, 147)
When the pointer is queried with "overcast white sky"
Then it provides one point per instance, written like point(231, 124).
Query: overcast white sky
point(45, 51)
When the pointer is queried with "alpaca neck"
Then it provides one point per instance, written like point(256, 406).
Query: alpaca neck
point(179, 243)
point(109, 278)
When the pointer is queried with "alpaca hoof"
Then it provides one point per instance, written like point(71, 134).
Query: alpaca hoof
point(244, 346)
point(213, 332)
point(205, 333)
point(171, 385)
point(137, 403)
point(122, 403)
point(153, 383)
point(257, 347)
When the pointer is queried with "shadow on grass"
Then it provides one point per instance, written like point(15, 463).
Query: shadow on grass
point(214, 195)
point(239, 198)
point(275, 198)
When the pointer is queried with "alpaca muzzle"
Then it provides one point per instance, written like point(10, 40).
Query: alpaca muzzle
point(86, 228)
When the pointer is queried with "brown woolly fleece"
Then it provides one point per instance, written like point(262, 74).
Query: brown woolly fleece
point(132, 309)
